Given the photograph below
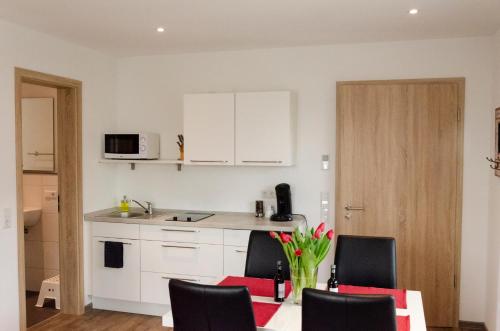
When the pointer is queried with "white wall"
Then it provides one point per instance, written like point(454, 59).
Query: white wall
point(493, 272)
point(28, 49)
point(149, 95)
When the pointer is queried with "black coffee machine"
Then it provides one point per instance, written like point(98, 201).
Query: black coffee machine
point(284, 203)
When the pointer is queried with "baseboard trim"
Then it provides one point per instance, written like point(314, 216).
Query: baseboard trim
point(133, 307)
point(473, 325)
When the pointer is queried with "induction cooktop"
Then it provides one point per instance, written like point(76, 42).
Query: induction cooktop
point(189, 217)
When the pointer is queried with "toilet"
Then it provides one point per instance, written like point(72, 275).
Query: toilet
point(49, 290)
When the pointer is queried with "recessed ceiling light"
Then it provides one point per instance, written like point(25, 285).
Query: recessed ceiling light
point(413, 11)
point(160, 29)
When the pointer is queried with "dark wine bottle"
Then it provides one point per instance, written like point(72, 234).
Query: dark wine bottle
point(279, 284)
point(333, 284)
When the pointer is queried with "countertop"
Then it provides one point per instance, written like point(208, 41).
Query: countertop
point(221, 220)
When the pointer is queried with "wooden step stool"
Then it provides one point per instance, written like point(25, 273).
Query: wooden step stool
point(49, 290)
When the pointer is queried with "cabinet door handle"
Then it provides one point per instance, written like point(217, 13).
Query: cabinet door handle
point(209, 161)
point(178, 230)
point(248, 161)
point(184, 279)
point(240, 251)
point(102, 241)
point(184, 247)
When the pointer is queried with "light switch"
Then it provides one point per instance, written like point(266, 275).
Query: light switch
point(325, 161)
point(324, 206)
point(7, 218)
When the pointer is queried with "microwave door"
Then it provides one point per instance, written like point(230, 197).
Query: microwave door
point(122, 145)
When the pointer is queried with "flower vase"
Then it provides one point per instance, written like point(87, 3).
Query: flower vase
point(302, 277)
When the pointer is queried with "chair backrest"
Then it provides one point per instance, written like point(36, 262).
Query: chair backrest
point(325, 311)
point(366, 261)
point(206, 308)
point(262, 255)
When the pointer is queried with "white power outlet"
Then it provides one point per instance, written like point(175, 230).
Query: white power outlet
point(7, 216)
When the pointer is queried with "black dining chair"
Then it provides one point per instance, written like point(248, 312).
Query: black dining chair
point(366, 261)
point(198, 307)
point(326, 311)
point(262, 255)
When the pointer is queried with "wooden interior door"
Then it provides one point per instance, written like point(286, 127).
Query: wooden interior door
point(399, 174)
point(70, 191)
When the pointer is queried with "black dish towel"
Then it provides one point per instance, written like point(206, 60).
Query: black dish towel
point(113, 254)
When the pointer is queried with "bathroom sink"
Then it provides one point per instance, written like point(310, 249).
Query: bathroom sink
point(32, 216)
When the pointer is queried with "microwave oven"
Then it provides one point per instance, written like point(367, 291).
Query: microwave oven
point(132, 146)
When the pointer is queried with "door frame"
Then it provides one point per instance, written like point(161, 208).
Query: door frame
point(460, 82)
point(69, 150)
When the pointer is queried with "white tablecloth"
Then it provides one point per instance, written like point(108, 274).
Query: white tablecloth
point(289, 316)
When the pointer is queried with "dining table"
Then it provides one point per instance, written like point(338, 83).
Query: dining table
point(288, 317)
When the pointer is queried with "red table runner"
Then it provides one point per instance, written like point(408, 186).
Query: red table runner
point(263, 312)
point(403, 323)
point(399, 295)
point(260, 287)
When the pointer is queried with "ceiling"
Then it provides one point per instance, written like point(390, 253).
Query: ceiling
point(128, 27)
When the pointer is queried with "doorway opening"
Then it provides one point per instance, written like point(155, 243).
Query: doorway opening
point(49, 196)
point(41, 223)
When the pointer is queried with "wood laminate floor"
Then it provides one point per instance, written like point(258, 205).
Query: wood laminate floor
point(464, 326)
point(100, 320)
point(34, 314)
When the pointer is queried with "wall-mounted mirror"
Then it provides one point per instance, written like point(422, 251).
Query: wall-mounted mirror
point(38, 135)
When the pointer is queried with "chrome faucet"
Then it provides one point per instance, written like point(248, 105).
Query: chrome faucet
point(149, 209)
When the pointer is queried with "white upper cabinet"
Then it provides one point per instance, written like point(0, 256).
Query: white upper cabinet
point(209, 129)
point(265, 125)
point(248, 129)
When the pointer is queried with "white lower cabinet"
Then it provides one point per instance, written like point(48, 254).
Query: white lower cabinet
point(236, 237)
point(154, 286)
point(182, 234)
point(153, 255)
point(234, 260)
point(116, 283)
point(182, 258)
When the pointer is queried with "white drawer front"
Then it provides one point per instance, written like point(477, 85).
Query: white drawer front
point(120, 283)
point(182, 258)
point(236, 237)
point(154, 286)
point(234, 260)
point(182, 234)
point(115, 230)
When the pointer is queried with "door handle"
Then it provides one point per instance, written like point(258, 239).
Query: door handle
point(121, 242)
point(351, 208)
point(181, 247)
point(262, 161)
point(178, 230)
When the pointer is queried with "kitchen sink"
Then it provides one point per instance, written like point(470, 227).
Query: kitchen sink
point(132, 214)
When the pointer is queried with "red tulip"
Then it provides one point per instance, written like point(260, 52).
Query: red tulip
point(319, 231)
point(330, 234)
point(285, 238)
point(272, 234)
point(298, 252)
